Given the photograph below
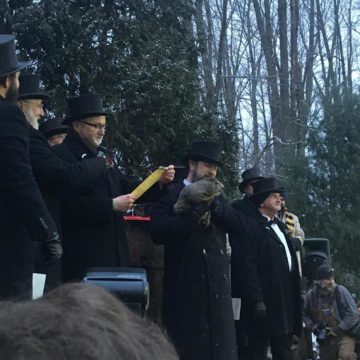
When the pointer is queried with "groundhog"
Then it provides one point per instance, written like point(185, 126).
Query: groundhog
point(203, 192)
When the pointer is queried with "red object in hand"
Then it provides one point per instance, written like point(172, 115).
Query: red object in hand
point(136, 218)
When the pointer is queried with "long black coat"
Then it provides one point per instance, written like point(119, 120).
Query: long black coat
point(197, 309)
point(260, 272)
point(245, 206)
point(23, 213)
point(52, 175)
point(94, 234)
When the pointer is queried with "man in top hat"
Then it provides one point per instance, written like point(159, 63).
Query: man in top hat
point(330, 312)
point(93, 226)
point(197, 309)
point(52, 174)
point(246, 207)
point(54, 131)
point(23, 213)
point(249, 177)
point(265, 273)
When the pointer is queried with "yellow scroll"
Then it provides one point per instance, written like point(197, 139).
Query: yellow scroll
point(148, 182)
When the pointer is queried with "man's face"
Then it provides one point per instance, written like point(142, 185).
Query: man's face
point(328, 283)
point(248, 189)
point(33, 110)
point(91, 130)
point(201, 169)
point(272, 203)
point(56, 139)
point(12, 87)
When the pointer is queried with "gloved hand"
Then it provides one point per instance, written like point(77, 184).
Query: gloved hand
point(53, 248)
point(194, 217)
point(260, 310)
point(332, 331)
point(109, 163)
point(217, 207)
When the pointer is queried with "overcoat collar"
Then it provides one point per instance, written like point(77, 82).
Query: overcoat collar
point(77, 146)
point(264, 222)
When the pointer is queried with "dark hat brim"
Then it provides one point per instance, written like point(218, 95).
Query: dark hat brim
point(200, 157)
point(34, 96)
point(267, 191)
point(248, 181)
point(20, 66)
point(72, 118)
point(59, 130)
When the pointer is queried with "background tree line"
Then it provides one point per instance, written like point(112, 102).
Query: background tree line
point(274, 81)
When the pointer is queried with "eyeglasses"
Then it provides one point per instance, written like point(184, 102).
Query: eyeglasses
point(96, 126)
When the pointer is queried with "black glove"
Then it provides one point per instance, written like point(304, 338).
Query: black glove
point(260, 310)
point(217, 207)
point(53, 249)
point(193, 217)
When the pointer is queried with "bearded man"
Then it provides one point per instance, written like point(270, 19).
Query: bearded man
point(23, 214)
point(192, 222)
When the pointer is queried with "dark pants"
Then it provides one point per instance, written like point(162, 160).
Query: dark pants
point(280, 347)
point(241, 339)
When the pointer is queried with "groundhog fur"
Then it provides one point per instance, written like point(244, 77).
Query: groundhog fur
point(201, 191)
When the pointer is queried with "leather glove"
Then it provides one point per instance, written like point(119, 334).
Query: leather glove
point(53, 248)
point(217, 207)
point(260, 310)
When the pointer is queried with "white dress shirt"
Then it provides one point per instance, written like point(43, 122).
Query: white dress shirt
point(282, 238)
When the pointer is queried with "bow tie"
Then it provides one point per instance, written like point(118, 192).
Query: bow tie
point(271, 222)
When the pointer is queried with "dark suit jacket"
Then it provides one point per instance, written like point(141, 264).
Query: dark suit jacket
point(53, 174)
point(23, 213)
point(94, 234)
point(260, 272)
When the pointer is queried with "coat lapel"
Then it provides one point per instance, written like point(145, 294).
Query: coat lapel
point(269, 230)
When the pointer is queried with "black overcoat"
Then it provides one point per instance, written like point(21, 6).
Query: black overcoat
point(197, 308)
point(23, 213)
point(52, 175)
point(245, 206)
point(260, 272)
point(94, 235)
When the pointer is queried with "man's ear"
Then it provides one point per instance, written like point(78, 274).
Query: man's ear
point(75, 125)
point(192, 164)
point(7, 82)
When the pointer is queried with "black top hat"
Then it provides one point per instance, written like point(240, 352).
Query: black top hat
point(84, 106)
point(8, 60)
point(283, 192)
point(204, 150)
point(53, 126)
point(248, 176)
point(30, 87)
point(324, 271)
point(262, 189)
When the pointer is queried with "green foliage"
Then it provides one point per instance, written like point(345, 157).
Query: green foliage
point(333, 185)
point(141, 56)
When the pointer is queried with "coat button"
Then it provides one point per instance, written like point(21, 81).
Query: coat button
point(204, 251)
